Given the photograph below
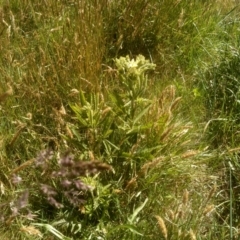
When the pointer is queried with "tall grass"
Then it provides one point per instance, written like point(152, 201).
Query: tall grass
point(103, 114)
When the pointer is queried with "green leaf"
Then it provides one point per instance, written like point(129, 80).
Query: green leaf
point(53, 230)
point(136, 212)
point(140, 115)
point(78, 113)
point(82, 98)
point(130, 227)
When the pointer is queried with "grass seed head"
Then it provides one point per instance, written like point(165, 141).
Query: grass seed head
point(132, 184)
point(106, 110)
point(208, 210)
point(162, 226)
point(91, 156)
point(185, 197)
point(152, 164)
point(166, 133)
point(192, 235)
point(69, 132)
point(189, 153)
point(171, 214)
point(179, 214)
point(175, 103)
point(31, 230)
point(180, 19)
point(212, 191)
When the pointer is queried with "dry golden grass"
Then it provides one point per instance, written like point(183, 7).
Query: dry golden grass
point(31, 230)
point(162, 226)
point(52, 51)
point(192, 235)
point(185, 197)
point(150, 165)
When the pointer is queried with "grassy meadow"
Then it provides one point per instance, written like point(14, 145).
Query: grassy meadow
point(119, 119)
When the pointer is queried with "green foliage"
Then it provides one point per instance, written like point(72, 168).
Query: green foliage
point(130, 132)
point(75, 81)
point(219, 86)
point(110, 130)
point(221, 92)
point(222, 99)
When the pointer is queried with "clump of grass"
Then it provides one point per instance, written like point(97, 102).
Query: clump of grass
point(222, 100)
point(69, 93)
point(221, 92)
point(184, 220)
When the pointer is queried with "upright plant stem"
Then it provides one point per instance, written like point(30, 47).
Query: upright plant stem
point(231, 195)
